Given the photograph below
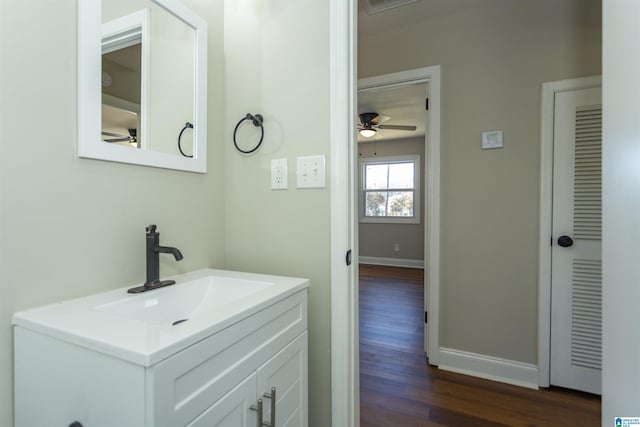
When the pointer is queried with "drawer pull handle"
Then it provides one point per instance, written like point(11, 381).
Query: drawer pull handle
point(258, 409)
point(272, 397)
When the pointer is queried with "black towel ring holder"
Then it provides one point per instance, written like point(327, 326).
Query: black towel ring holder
point(187, 125)
point(257, 121)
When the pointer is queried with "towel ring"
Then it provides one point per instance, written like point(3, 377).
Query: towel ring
point(186, 126)
point(257, 121)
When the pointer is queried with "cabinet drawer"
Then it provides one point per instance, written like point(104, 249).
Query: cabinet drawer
point(186, 384)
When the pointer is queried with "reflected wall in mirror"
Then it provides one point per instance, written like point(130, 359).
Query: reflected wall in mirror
point(125, 47)
point(149, 67)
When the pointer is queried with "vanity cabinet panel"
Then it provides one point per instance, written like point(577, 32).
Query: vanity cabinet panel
point(57, 383)
point(186, 384)
point(233, 409)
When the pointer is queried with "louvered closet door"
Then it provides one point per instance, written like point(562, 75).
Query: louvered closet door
point(576, 286)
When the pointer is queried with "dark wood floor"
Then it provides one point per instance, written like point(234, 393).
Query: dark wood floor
point(398, 388)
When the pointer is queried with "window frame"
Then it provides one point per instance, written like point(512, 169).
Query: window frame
point(415, 219)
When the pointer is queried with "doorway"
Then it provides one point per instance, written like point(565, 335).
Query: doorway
point(570, 267)
point(391, 153)
point(429, 80)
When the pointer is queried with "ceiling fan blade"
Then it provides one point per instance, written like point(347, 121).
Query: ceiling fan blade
point(123, 139)
point(397, 127)
point(117, 135)
point(381, 118)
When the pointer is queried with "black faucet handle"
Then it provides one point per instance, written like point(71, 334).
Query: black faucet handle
point(151, 228)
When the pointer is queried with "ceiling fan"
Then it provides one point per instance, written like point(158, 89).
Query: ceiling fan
point(132, 138)
point(371, 122)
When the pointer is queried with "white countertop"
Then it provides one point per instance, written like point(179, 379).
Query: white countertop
point(85, 322)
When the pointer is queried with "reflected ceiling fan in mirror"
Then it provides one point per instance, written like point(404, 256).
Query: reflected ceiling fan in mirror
point(370, 123)
point(132, 138)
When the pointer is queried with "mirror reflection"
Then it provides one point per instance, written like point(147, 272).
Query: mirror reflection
point(142, 77)
point(148, 77)
point(121, 93)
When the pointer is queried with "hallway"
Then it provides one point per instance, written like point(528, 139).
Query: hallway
point(398, 388)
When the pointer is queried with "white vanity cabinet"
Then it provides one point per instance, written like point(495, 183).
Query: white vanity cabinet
point(286, 373)
point(213, 382)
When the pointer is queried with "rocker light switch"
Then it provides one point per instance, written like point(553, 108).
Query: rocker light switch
point(310, 172)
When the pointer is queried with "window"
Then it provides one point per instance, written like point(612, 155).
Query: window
point(390, 190)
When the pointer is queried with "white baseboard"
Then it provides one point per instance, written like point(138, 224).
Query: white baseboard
point(488, 367)
point(392, 262)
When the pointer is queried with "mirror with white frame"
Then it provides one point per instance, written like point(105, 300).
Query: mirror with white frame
point(142, 83)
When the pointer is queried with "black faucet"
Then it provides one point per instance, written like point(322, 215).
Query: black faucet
point(153, 262)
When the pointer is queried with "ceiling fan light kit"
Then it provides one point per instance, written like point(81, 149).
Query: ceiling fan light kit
point(367, 132)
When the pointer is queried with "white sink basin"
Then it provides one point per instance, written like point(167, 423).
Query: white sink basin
point(148, 327)
point(178, 303)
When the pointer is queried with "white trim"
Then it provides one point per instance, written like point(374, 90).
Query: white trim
point(430, 75)
point(399, 79)
point(89, 77)
point(489, 367)
point(411, 158)
point(391, 262)
point(549, 91)
point(345, 373)
point(126, 31)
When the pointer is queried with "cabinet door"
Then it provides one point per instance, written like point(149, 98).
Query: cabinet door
point(287, 372)
point(188, 383)
point(232, 410)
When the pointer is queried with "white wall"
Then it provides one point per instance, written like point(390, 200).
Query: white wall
point(495, 54)
point(71, 227)
point(276, 55)
point(621, 210)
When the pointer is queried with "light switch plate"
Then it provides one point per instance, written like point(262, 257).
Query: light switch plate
point(279, 174)
point(310, 172)
point(492, 139)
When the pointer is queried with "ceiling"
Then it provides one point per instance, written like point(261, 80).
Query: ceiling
point(404, 105)
point(416, 13)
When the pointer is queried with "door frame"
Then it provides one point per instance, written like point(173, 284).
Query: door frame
point(345, 372)
point(431, 182)
point(547, 113)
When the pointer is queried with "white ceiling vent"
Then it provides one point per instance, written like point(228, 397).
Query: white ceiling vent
point(375, 6)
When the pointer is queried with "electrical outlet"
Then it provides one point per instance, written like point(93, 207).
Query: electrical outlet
point(310, 172)
point(396, 247)
point(279, 174)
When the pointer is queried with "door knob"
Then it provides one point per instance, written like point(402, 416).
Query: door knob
point(565, 241)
